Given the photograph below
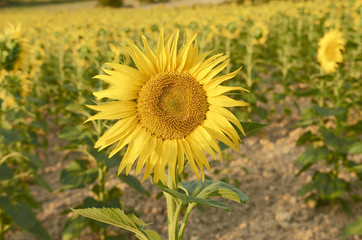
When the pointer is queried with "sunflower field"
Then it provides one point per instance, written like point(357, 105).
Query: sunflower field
point(296, 61)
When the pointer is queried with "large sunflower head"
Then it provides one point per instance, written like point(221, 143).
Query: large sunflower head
point(170, 107)
point(330, 50)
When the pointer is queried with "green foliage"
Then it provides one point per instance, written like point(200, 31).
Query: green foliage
point(153, 1)
point(331, 146)
point(111, 3)
point(353, 228)
point(198, 192)
point(118, 218)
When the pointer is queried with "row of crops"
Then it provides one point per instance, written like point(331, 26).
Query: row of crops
point(300, 58)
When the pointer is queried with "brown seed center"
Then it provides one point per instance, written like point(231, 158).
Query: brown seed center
point(172, 105)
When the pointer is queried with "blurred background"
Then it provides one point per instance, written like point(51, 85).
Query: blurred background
point(301, 61)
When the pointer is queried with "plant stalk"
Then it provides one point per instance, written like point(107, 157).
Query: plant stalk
point(173, 209)
point(1, 226)
point(184, 220)
point(101, 195)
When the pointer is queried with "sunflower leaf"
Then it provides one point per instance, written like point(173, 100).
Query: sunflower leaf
point(353, 228)
point(186, 199)
point(118, 218)
point(210, 188)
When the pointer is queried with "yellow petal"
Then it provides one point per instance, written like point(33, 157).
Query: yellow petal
point(225, 101)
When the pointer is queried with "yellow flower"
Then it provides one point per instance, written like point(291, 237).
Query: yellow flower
point(330, 50)
point(170, 107)
point(15, 45)
point(259, 32)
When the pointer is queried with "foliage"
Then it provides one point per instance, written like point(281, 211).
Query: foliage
point(153, 1)
point(111, 3)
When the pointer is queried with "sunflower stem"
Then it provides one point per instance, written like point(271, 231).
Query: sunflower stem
point(1, 226)
point(249, 62)
point(184, 221)
point(173, 209)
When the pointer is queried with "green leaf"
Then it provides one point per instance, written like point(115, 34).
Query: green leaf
point(39, 124)
point(306, 188)
point(133, 183)
point(39, 231)
point(186, 199)
point(19, 212)
point(115, 217)
point(312, 155)
point(353, 228)
point(34, 160)
point(5, 172)
point(341, 145)
point(76, 108)
point(356, 148)
point(41, 182)
point(357, 167)
point(102, 156)
point(73, 227)
point(329, 187)
point(210, 188)
point(90, 202)
point(10, 136)
point(153, 235)
point(325, 111)
point(76, 175)
point(252, 128)
point(356, 128)
point(75, 133)
point(307, 137)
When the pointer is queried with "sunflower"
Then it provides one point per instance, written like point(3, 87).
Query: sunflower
point(14, 48)
point(259, 33)
point(330, 50)
point(170, 107)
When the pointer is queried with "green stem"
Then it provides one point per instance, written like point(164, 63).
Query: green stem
point(102, 169)
point(184, 221)
point(337, 91)
point(228, 51)
point(1, 226)
point(249, 62)
point(173, 209)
